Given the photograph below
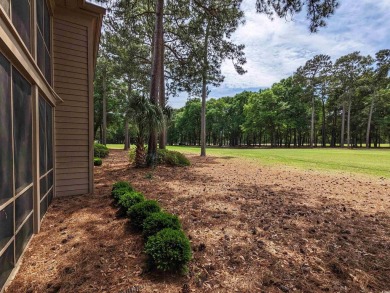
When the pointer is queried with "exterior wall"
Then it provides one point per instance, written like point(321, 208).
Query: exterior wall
point(71, 82)
point(28, 108)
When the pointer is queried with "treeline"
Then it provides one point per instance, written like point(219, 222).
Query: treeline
point(345, 103)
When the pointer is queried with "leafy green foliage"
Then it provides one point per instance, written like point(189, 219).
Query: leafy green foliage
point(97, 162)
point(100, 151)
point(140, 211)
point(169, 250)
point(122, 184)
point(159, 221)
point(172, 158)
point(117, 192)
point(129, 199)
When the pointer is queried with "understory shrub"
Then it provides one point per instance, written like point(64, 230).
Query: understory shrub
point(140, 211)
point(128, 199)
point(100, 150)
point(172, 158)
point(121, 184)
point(116, 193)
point(169, 250)
point(159, 221)
point(97, 162)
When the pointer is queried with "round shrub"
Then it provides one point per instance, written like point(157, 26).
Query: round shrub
point(140, 211)
point(97, 162)
point(100, 150)
point(169, 250)
point(172, 158)
point(128, 199)
point(116, 193)
point(122, 184)
point(159, 221)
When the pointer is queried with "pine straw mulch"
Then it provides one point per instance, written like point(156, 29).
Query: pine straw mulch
point(252, 228)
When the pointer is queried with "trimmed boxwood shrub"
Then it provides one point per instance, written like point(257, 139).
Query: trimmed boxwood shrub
point(140, 211)
point(97, 162)
point(121, 184)
point(159, 221)
point(128, 199)
point(116, 193)
point(169, 250)
point(100, 150)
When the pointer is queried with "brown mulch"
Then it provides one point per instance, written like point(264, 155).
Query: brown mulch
point(252, 229)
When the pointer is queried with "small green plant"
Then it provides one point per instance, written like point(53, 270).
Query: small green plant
point(128, 199)
point(172, 158)
point(140, 211)
point(159, 221)
point(121, 184)
point(169, 250)
point(116, 193)
point(100, 150)
point(149, 176)
point(97, 162)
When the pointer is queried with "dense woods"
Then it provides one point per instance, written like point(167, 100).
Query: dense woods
point(345, 103)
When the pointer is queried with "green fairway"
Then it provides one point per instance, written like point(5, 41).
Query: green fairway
point(370, 162)
point(116, 146)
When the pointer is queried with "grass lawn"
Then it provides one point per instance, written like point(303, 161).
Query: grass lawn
point(369, 162)
point(116, 146)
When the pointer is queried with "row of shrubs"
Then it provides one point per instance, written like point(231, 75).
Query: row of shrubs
point(165, 157)
point(166, 245)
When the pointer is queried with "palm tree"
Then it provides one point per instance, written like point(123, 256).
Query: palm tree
point(146, 117)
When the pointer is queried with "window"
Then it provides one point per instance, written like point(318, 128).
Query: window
point(45, 153)
point(21, 12)
point(5, 5)
point(43, 39)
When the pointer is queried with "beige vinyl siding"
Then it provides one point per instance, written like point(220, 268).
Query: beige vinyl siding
point(70, 51)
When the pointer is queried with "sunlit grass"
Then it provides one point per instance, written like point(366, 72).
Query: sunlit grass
point(116, 146)
point(371, 162)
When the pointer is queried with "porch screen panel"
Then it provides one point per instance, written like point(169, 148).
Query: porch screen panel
point(46, 153)
point(23, 207)
point(6, 177)
point(43, 38)
point(6, 264)
point(22, 131)
point(21, 19)
point(6, 224)
point(22, 237)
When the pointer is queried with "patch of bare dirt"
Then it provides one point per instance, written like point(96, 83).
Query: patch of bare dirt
point(252, 229)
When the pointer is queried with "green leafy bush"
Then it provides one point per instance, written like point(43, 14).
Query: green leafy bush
point(97, 162)
point(140, 211)
point(116, 193)
point(159, 221)
point(172, 158)
point(100, 150)
point(167, 157)
point(128, 199)
point(121, 184)
point(169, 250)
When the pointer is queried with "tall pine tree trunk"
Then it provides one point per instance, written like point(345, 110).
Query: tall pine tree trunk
point(163, 134)
point(369, 123)
point(323, 124)
point(127, 145)
point(104, 126)
point(155, 78)
point(349, 124)
point(204, 93)
point(312, 122)
point(342, 126)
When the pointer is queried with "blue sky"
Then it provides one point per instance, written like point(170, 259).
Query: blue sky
point(275, 49)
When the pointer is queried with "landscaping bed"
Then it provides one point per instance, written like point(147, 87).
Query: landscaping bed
point(252, 228)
